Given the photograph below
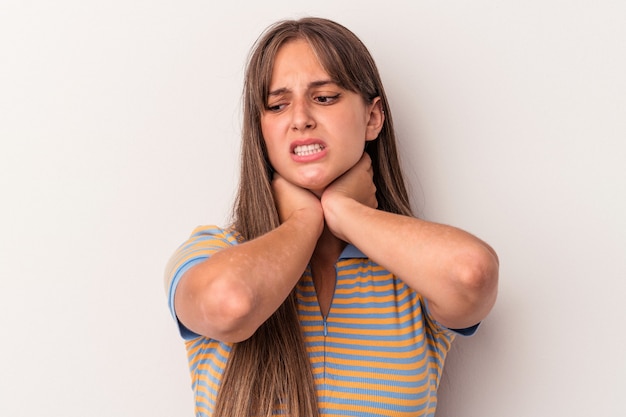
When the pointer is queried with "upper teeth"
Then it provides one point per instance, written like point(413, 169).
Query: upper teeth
point(307, 149)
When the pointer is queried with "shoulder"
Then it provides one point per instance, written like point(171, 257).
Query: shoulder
point(203, 242)
point(212, 234)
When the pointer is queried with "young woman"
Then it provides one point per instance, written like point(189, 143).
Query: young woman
point(325, 296)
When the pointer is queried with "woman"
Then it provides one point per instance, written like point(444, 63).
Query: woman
point(325, 296)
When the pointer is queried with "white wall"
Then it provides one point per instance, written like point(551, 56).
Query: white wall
point(119, 127)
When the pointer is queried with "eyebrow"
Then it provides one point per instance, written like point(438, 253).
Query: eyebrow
point(312, 84)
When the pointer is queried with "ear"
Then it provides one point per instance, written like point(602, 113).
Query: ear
point(376, 118)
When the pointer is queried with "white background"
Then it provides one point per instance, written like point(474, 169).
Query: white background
point(119, 128)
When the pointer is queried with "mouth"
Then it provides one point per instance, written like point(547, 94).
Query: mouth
point(305, 150)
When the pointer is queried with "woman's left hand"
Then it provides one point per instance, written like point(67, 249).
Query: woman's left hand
point(355, 185)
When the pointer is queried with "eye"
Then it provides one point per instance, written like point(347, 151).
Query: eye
point(326, 99)
point(275, 107)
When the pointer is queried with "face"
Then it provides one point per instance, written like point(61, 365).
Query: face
point(313, 129)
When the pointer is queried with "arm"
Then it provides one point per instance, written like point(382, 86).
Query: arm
point(229, 295)
point(456, 272)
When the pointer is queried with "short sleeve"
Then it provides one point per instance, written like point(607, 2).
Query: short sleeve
point(435, 325)
point(202, 244)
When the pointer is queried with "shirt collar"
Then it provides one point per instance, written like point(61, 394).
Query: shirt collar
point(351, 251)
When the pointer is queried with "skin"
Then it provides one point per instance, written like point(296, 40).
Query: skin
point(324, 199)
point(305, 107)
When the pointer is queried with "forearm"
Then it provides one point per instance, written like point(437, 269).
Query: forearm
point(455, 271)
point(228, 296)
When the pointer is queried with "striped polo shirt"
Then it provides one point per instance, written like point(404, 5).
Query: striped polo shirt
point(377, 353)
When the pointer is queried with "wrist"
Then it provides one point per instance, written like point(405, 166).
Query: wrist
point(309, 219)
point(339, 213)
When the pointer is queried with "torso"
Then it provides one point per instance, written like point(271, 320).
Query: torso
point(373, 349)
point(322, 267)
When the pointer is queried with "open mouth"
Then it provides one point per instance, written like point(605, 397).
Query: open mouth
point(303, 150)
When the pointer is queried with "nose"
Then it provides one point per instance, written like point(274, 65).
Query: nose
point(302, 115)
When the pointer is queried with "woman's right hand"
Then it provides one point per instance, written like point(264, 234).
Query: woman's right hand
point(229, 295)
point(291, 199)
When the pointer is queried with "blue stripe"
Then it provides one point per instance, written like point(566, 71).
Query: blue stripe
point(398, 302)
point(360, 272)
point(337, 326)
point(203, 383)
point(392, 350)
point(413, 409)
point(212, 354)
point(379, 370)
point(387, 393)
point(174, 283)
point(372, 360)
point(201, 397)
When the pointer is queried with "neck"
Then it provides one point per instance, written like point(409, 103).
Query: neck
point(328, 248)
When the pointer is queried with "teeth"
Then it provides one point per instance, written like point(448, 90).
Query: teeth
point(303, 150)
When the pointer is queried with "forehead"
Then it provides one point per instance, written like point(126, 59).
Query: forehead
point(295, 60)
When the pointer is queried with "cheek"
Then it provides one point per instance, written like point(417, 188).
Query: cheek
point(353, 123)
point(273, 154)
point(270, 129)
point(266, 133)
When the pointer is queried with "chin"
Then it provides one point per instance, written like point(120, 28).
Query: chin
point(314, 182)
point(315, 187)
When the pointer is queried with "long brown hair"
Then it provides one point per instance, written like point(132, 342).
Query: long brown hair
point(271, 369)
